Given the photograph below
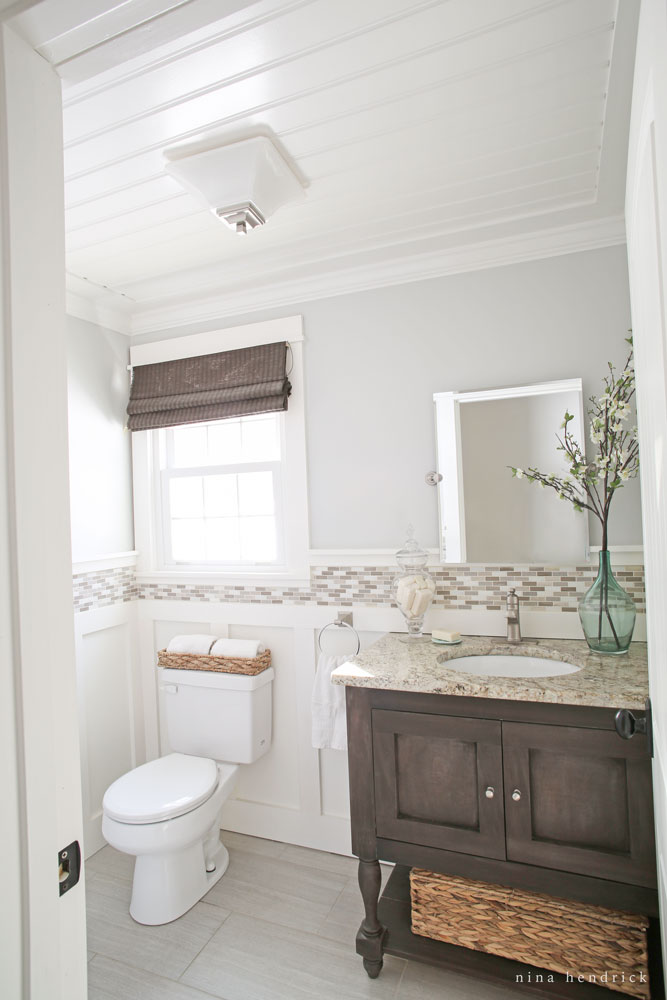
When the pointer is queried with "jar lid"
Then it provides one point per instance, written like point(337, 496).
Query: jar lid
point(412, 554)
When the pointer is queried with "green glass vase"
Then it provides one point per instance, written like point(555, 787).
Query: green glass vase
point(607, 612)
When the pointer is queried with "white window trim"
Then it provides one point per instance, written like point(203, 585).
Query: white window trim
point(294, 475)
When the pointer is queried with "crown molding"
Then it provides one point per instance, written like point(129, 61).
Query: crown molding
point(114, 311)
point(104, 308)
point(554, 242)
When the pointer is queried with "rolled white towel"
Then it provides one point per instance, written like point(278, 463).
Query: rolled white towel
point(237, 647)
point(191, 644)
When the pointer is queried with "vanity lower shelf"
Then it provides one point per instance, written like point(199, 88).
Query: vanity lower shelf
point(537, 796)
point(394, 914)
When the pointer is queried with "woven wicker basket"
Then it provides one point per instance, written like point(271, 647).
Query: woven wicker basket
point(557, 934)
point(221, 664)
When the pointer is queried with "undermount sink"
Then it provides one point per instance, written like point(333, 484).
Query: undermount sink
point(503, 665)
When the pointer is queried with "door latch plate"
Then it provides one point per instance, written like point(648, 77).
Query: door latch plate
point(69, 866)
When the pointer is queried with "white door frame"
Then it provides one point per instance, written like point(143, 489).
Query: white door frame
point(646, 223)
point(43, 933)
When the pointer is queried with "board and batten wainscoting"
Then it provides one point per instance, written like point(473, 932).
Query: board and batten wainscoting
point(295, 793)
point(111, 711)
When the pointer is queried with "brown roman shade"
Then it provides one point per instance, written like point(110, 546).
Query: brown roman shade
point(210, 387)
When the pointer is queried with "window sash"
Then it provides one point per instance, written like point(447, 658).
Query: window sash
point(167, 447)
point(167, 475)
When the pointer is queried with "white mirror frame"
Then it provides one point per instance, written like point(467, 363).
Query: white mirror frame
point(451, 501)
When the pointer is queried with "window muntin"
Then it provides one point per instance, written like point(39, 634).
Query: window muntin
point(221, 493)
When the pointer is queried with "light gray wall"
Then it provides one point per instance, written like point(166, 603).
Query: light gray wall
point(100, 468)
point(374, 359)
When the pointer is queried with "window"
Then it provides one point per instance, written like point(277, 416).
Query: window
point(221, 492)
point(225, 497)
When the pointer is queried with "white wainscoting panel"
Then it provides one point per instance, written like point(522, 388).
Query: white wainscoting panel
point(274, 779)
point(110, 708)
point(294, 793)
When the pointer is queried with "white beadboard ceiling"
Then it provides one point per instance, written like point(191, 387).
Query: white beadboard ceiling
point(432, 136)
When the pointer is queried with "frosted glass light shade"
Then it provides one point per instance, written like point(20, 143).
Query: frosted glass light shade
point(248, 175)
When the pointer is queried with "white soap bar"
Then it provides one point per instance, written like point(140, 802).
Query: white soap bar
point(444, 636)
point(400, 593)
point(421, 602)
point(405, 602)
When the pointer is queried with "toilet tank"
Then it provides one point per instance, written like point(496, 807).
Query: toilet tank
point(212, 714)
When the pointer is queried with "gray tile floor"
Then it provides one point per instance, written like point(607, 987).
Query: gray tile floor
point(280, 925)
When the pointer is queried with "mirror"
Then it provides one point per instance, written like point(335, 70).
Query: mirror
point(486, 515)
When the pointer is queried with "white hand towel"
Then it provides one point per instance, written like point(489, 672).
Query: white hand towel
point(329, 720)
point(191, 644)
point(237, 647)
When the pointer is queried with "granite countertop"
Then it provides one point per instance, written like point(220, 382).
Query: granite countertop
point(602, 681)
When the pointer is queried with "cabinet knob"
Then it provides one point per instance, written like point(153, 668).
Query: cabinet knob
point(516, 794)
point(490, 792)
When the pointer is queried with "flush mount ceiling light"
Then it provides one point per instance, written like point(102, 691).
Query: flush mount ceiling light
point(242, 183)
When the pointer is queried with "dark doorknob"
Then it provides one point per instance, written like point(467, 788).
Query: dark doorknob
point(627, 724)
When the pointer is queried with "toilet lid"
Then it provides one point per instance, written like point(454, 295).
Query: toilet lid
point(162, 789)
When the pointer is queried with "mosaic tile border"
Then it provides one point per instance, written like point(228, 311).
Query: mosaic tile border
point(474, 587)
point(543, 588)
point(104, 587)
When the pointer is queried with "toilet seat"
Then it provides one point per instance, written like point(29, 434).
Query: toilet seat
point(162, 789)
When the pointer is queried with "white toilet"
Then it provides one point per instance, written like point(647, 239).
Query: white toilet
point(167, 812)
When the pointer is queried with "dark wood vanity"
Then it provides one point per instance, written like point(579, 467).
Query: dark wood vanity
point(539, 796)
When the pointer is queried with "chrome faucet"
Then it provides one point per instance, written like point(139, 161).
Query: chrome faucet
point(513, 624)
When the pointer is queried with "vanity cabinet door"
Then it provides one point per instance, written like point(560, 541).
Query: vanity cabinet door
point(438, 782)
point(579, 800)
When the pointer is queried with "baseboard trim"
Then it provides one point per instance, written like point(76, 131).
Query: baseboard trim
point(290, 826)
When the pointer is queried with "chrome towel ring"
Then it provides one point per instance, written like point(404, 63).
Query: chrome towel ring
point(343, 621)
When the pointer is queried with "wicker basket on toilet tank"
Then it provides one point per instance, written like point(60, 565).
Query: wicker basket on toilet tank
point(224, 664)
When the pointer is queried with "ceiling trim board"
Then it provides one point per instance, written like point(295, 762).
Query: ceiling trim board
point(104, 29)
point(170, 52)
point(101, 313)
point(253, 112)
point(420, 267)
point(14, 8)
point(261, 68)
point(155, 149)
point(124, 74)
point(440, 211)
point(273, 266)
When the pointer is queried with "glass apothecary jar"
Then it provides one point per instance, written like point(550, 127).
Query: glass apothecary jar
point(413, 589)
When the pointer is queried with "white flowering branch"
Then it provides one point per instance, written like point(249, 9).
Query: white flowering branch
point(591, 482)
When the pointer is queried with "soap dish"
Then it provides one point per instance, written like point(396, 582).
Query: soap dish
point(446, 642)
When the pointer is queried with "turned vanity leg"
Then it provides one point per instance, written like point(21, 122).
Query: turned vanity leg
point(371, 934)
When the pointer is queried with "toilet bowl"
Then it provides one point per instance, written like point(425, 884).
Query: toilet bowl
point(167, 814)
